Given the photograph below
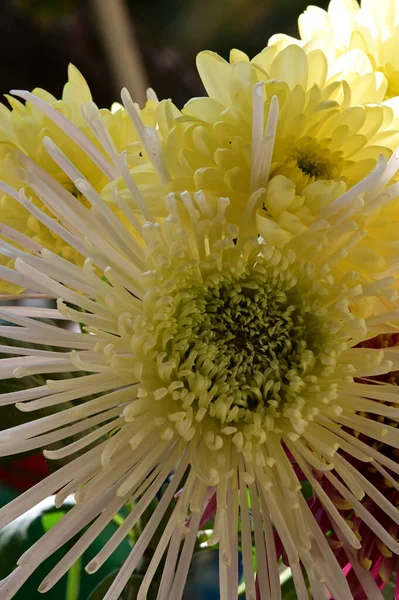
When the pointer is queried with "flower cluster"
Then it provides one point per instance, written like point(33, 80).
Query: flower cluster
point(231, 271)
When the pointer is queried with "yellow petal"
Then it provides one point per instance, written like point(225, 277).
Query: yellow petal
point(355, 61)
point(326, 45)
point(314, 22)
point(342, 15)
point(281, 40)
point(363, 255)
point(318, 68)
point(280, 194)
point(264, 59)
point(241, 83)
point(383, 11)
point(320, 193)
point(270, 231)
point(76, 91)
point(291, 223)
point(214, 72)
point(370, 88)
point(291, 66)
point(166, 113)
point(238, 56)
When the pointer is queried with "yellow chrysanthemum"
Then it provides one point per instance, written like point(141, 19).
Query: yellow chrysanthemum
point(282, 207)
point(24, 127)
point(347, 28)
point(328, 129)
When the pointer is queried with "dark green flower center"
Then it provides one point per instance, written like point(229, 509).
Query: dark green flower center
point(250, 337)
point(314, 167)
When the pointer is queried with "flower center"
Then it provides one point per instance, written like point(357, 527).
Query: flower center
point(306, 160)
point(253, 336)
point(313, 166)
point(236, 346)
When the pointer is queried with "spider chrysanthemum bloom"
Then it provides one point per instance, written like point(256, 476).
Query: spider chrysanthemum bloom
point(23, 128)
point(346, 31)
point(209, 356)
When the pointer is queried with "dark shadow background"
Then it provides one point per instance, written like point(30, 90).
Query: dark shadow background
point(38, 38)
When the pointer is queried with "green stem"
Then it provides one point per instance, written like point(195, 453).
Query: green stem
point(119, 520)
point(73, 581)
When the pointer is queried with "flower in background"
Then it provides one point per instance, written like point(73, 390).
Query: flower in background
point(330, 133)
point(364, 37)
point(208, 353)
point(374, 556)
point(21, 131)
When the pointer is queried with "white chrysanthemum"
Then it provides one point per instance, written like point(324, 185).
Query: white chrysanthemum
point(209, 356)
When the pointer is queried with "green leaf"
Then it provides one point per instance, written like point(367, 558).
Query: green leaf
point(51, 518)
point(129, 593)
point(15, 537)
point(307, 489)
point(390, 588)
point(13, 541)
point(288, 591)
point(99, 592)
